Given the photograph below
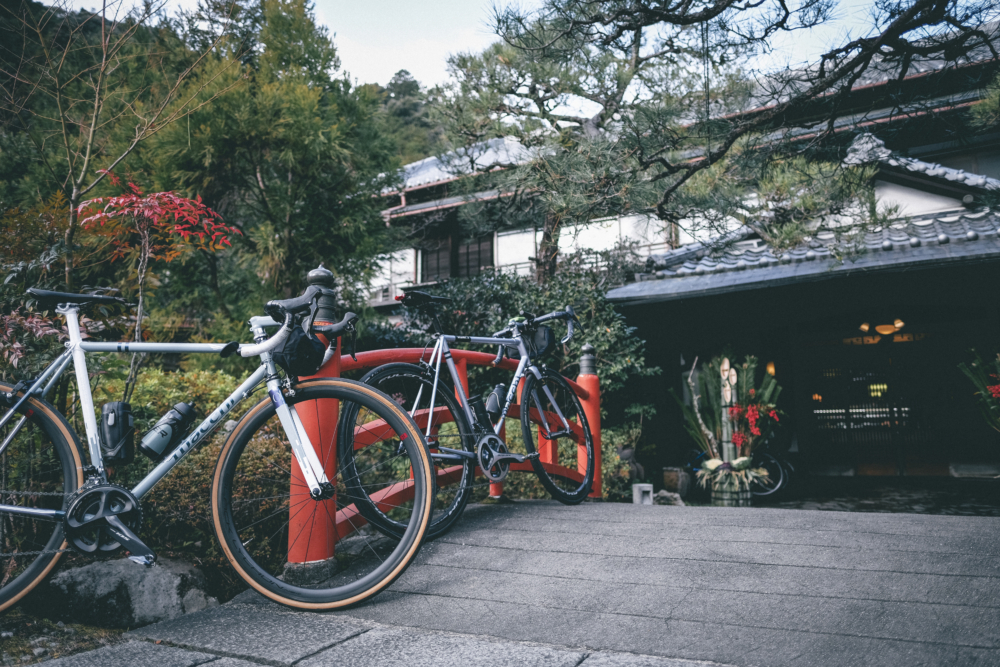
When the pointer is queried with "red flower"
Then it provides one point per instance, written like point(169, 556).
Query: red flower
point(752, 392)
point(739, 439)
point(773, 415)
point(735, 412)
point(994, 390)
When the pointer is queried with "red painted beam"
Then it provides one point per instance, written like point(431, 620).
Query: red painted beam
point(412, 355)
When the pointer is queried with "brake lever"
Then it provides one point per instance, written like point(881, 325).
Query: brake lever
point(500, 354)
point(354, 341)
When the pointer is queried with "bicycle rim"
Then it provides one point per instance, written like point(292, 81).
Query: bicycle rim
point(39, 468)
point(280, 540)
point(565, 464)
point(775, 476)
point(410, 388)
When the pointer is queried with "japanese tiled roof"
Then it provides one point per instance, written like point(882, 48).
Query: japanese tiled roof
point(436, 169)
point(745, 262)
point(868, 149)
point(881, 70)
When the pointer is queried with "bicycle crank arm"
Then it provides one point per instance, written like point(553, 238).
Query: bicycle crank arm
point(516, 458)
point(448, 454)
point(138, 551)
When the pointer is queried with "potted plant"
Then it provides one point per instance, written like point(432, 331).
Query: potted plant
point(732, 410)
point(985, 377)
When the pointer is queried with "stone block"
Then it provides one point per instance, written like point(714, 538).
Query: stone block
point(122, 594)
point(664, 497)
point(677, 480)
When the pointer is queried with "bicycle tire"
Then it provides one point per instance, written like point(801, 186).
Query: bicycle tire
point(254, 530)
point(403, 383)
point(567, 489)
point(775, 472)
point(48, 446)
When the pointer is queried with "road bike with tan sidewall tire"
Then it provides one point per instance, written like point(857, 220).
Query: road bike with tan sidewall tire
point(277, 494)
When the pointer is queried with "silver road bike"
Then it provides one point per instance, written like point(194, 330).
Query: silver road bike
point(465, 432)
point(280, 502)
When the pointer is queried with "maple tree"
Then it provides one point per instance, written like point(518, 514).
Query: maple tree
point(153, 226)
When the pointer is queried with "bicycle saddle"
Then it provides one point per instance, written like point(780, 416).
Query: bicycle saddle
point(415, 298)
point(70, 297)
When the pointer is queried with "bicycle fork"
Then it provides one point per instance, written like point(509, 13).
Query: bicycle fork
point(320, 487)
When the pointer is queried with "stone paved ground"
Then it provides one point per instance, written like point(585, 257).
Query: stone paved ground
point(917, 495)
point(600, 585)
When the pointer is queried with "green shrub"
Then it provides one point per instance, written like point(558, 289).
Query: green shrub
point(178, 511)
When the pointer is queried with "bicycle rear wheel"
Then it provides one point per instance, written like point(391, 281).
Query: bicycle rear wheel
point(565, 464)
point(40, 467)
point(410, 387)
point(279, 539)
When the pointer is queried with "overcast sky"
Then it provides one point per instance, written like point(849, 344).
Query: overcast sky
point(377, 38)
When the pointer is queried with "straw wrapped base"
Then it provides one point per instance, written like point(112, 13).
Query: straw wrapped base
point(728, 497)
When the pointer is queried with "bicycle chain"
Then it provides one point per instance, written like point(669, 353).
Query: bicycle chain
point(33, 493)
point(35, 553)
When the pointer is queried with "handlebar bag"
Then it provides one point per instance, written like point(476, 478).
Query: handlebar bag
point(302, 353)
point(541, 342)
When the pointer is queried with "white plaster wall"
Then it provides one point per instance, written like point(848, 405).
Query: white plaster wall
point(514, 248)
point(912, 201)
point(397, 269)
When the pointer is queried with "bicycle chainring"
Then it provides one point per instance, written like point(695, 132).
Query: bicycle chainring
point(488, 449)
point(86, 517)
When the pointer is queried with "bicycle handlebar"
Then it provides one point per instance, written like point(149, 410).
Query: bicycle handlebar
point(271, 343)
point(571, 320)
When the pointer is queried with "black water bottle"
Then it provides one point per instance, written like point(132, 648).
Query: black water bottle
point(167, 432)
point(117, 433)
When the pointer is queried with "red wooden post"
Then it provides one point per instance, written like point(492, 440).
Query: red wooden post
point(311, 534)
point(592, 409)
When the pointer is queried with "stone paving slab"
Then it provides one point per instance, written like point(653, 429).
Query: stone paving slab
point(675, 519)
point(134, 653)
point(893, 620)
point(741, 644)
point(391, 647)
point(728, 576)
point(954, 543)
point(272, 636)
point(603, 585)
point(660, 546)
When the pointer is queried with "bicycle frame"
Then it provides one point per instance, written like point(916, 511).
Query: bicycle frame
point(76, 350)
point(442, 350)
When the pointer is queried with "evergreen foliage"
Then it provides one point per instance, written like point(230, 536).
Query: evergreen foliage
point(634, 107)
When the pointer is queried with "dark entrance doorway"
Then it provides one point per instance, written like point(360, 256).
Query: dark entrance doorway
point(868, 407)
point(891, 402)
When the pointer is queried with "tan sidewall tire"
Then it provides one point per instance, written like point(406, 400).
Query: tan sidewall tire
point(413, 433)
point(62, 428)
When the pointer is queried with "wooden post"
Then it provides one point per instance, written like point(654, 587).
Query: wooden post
point(312, 534)
point(592, 409)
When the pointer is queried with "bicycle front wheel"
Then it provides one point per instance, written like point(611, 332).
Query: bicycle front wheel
point(552, 416)
point(317, 553)
point(411, 388)
point(40, 468)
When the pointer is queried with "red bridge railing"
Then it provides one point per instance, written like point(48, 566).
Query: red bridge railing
point(321, 426)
